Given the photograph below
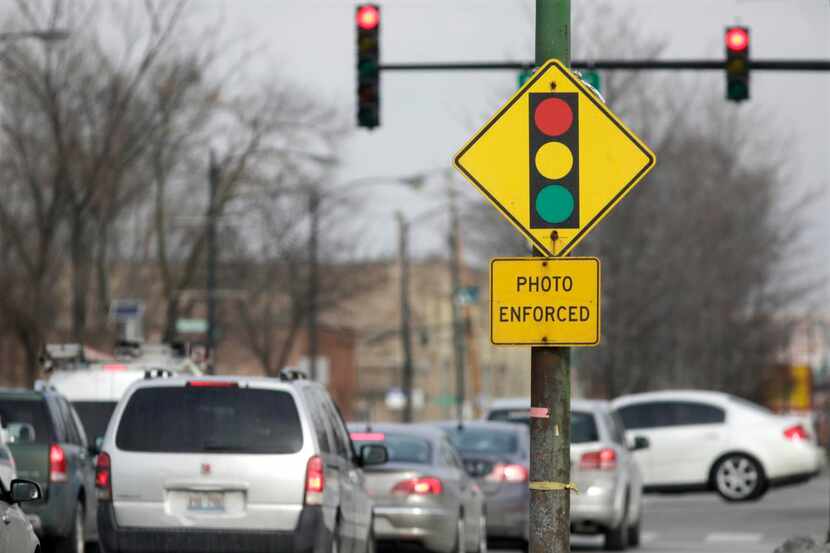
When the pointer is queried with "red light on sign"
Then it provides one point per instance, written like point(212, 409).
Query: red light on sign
point(553, 117)
point(737, 39)
point(368, 17)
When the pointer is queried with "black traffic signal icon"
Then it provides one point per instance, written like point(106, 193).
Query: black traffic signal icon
point(736, 40)
point(368, 65)
point(554, 160)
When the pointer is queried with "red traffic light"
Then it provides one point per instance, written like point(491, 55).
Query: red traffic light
point(737, 39)
point(368, 17)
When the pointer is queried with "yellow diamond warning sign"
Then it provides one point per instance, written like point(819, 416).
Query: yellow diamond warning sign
point(554, 159)
point(545, 302)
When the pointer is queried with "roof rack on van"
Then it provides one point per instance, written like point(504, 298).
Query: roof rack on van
point(61, 356)
point(157, 373)
point(44, 386)
point(292, 374)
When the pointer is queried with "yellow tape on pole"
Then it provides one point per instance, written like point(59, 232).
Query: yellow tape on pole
point(553, 486)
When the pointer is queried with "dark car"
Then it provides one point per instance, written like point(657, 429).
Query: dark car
point(16, 532)
point(49, 446)
point(497, 456)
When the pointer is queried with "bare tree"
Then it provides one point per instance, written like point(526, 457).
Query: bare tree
point(692, 259)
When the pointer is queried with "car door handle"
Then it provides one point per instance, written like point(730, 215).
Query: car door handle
point(6, 519)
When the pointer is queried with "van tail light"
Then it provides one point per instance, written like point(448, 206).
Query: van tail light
point(796, 433)
point(315, 481)
point(604, 459)
point(103, 477)
point(57, 464)
point(508, 473)
point(426, 485)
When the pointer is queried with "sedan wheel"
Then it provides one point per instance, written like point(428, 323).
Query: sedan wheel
point(739, 478)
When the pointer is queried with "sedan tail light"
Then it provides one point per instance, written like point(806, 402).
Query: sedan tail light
point(508, 473)
point(604, 459)
point(57, 464)
point(427, 485)
point(103, 477)
point(796, 433)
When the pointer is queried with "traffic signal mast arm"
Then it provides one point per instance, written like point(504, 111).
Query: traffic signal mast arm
point(609, 64)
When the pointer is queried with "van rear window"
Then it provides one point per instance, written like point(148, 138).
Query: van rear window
point(95, 416)
point(210, 420)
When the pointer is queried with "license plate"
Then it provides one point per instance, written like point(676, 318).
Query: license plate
point(206, 502)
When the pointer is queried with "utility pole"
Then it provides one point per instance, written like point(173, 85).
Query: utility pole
point(550, 375)
point(408, 371)
point(313, 280)
point(457, 320)
point(213, 186)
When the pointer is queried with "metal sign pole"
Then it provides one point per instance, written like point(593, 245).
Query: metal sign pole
point(550, 390)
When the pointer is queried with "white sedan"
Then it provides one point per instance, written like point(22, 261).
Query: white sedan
point(715, 441)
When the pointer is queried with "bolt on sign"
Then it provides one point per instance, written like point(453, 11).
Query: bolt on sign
point(545, 302)
point(554, 160)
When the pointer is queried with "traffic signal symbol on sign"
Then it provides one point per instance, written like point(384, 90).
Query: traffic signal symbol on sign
point(554, 160)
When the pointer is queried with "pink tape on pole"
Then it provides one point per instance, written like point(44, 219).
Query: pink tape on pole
point(539, 413)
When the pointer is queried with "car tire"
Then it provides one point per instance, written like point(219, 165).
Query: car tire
point(634, 534)
point(371, 545)
point(616, 539)
point(739, 477)
point(75, 541)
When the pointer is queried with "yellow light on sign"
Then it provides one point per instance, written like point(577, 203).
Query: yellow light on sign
point(545, 302)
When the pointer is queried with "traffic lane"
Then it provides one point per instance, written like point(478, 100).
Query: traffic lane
point(704, 523)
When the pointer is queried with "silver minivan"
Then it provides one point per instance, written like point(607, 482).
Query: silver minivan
point(232, 464)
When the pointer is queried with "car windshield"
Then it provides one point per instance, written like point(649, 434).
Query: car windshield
point(95, 416)
point(486, 441)
point(583, 425)
point(402, 448)
point(27, 421)
point(188, 419)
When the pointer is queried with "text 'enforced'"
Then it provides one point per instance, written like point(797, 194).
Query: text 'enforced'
point(538, 301)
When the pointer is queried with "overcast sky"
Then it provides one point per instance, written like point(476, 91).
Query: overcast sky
point(427, 116)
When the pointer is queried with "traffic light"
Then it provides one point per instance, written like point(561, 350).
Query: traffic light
point(554, 160)
point(737, 63)
point(368, 65)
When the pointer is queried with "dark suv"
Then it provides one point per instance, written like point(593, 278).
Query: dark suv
point(49, 446)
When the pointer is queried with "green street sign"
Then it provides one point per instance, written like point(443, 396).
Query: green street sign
point(523, 76)
point(467, 295)
point(592, 78)
point(191, 326)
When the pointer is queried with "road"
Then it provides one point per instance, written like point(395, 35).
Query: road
point(703, 523)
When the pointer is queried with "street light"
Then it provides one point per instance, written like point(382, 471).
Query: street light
point(413, 182)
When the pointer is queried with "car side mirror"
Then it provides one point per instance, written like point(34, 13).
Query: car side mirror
point(22, 491)
point(640, 442)
point(373, 454)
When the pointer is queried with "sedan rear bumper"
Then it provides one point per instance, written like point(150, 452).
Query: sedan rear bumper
point(507, 511)
point(310, 536)
point(432, 527)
